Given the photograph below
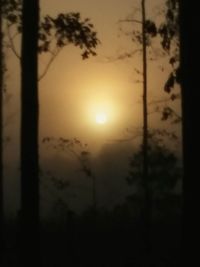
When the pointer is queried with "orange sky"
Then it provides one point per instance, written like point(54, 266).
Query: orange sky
point(73, 90)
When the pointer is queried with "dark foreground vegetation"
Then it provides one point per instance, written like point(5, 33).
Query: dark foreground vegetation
point(106, 238)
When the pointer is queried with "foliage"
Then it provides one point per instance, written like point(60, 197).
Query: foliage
point(150, 31)
point(12, 11)
point(67, 29)
point(54, 33)
point(169, 33)
point(169, 30)
point(81, 153)
point(169, 113)
point(76, 148)
point(57, 182)
point(164, 171)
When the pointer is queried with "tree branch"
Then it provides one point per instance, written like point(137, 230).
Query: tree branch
point(123, 56)
point(12, 46)
point(179, 118)
point(54, 54)
point(128, 139)
point(159, 101)
point(131, 20)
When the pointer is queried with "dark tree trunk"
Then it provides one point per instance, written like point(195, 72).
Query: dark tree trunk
point(29, 135)
point(190, 82)
point(1, 136)
point(146, 182)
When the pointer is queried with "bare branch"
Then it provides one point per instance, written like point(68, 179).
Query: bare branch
point(151, 112)
point(131, 20)
point(135, 133)
point(155, 102)
point(128, 139)
point(123, 56)
point(12, 45)
point(54, 54)
point(178, 117)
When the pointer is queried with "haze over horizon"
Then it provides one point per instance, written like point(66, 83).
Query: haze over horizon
point(74, 91)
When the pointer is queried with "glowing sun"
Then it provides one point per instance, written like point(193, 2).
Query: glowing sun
point(101, 118)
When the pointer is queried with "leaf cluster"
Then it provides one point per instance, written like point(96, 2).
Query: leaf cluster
point(169, 30)
point(169, 113)
point(68, 29)
point(55, 33)
point(169, 33)
point(12, 13)
point(150, 32)
point(164, 171)
point(75, 147)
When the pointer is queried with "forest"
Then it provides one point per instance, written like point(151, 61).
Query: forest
point(98, 133)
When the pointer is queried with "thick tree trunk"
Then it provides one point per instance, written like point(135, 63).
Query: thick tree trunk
point(1, 136)
point(190, 59)
point(29, 136)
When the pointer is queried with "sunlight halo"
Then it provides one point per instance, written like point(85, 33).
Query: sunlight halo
point(101, 118)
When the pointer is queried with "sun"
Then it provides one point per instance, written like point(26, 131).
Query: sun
point(101, 118)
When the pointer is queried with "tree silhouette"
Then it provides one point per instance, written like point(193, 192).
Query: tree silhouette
point(67, 29)
point(169, 33)
point(145, 167)
point(4, 7)
point(189, 60)
point(1, 133)
point(54, 33)
point(143, 37)
point(2, 124)
point(164, 169)
point(80, 152)
point(30, 246)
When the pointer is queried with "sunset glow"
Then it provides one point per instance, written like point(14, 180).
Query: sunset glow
point(101, 118)
point(93, 155)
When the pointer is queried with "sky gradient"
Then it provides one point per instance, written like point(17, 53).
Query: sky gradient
point(74, 91)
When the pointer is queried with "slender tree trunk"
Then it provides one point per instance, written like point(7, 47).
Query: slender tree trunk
point(1, 137)
point(29, 135)
point(94, 196)
point(145, 119)
point(94, 193)
point(146, 182)
point(190, 85)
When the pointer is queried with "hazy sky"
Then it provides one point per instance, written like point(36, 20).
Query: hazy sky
point(74, 91)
